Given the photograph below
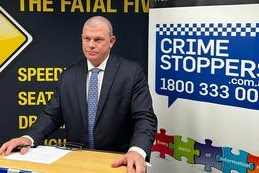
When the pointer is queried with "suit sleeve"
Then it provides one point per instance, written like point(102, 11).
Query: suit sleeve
point(144, 119)
point(49, 120)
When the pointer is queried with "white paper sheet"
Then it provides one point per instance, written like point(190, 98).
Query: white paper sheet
point(41, 154)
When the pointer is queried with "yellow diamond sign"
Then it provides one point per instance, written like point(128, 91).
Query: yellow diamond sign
point(13, 39)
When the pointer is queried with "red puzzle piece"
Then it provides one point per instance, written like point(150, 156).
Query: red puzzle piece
point(255, 161)
point(161, 144)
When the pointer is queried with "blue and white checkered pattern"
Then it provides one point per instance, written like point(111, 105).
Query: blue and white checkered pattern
point(209, 29)
point(11, 170)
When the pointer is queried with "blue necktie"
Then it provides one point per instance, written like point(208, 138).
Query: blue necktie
point(92, 104)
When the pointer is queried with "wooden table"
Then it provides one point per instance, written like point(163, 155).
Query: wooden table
point(73, 162)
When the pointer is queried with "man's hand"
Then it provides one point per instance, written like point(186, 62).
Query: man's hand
point(8, 147)
point(133, 160)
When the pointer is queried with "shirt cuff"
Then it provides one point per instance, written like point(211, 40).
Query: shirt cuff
point(139, 150)
point(32, 141)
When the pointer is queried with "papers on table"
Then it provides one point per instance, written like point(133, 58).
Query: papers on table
point(41, 154)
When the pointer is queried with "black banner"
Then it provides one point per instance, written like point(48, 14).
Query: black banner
point(29, 78)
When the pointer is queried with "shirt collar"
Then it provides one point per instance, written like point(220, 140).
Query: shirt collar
point(101, 66)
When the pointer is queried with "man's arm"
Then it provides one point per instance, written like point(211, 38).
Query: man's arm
point(49, 120)
point(144, 119)
point(145, 127)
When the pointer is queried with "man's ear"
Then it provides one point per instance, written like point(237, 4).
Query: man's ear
point(112, 41)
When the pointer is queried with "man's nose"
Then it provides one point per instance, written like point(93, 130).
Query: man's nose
point(92, 43)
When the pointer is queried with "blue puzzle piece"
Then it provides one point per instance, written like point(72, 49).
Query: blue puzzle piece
point(234, 162)
point(208, 155)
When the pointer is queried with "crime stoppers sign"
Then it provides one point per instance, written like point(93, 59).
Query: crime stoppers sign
point(13, 39)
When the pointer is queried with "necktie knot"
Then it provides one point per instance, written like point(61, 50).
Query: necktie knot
point(95, 70)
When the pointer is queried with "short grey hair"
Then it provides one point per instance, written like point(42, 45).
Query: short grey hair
point(97, 21)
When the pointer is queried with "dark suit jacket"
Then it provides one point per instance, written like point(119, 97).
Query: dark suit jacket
point(124, 117)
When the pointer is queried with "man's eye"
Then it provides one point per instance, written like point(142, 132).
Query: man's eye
point(98, 40)
point(86, 39)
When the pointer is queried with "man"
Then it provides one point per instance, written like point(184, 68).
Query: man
point(123, 121)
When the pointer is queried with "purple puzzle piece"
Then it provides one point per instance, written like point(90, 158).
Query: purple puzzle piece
point(208, 155)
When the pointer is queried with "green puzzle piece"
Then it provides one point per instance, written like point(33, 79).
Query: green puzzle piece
point(185, 149)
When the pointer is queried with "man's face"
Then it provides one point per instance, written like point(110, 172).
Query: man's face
point(96, 43)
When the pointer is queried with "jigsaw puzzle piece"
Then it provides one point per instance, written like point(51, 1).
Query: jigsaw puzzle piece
point(235, 162)
point(162, 142)
point(255, 160)
point(185, 149)
point(208, 155)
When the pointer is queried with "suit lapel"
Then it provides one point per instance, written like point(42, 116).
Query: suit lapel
point(109, 75)
point(81, 89)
